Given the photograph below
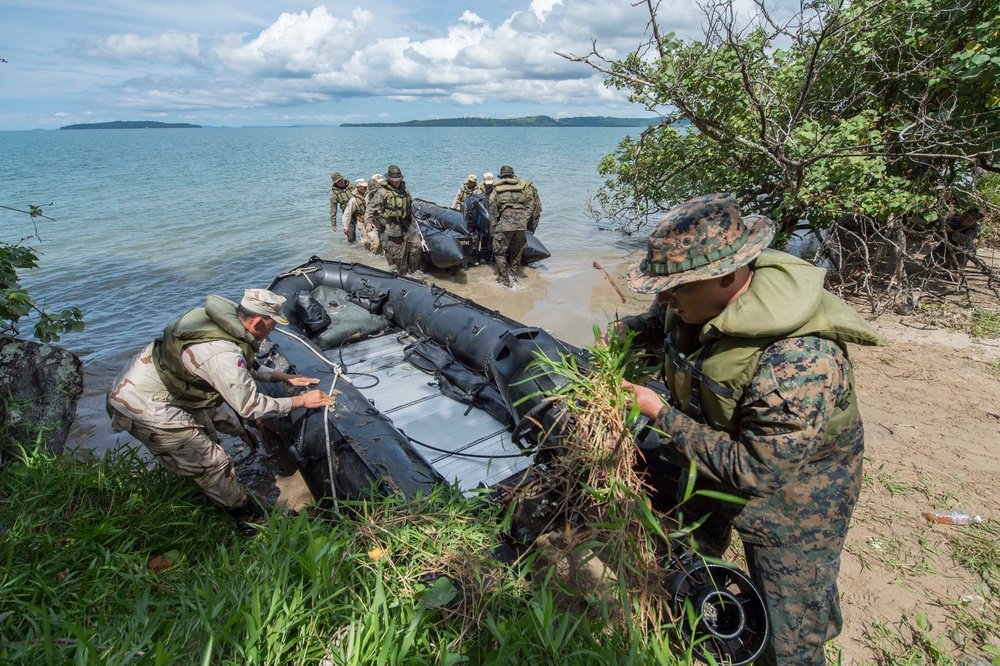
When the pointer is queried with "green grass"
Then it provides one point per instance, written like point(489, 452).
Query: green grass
point(388, 583)
point(985, 324)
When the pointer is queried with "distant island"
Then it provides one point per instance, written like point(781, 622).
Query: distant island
point(130, 124)
point(530, 121)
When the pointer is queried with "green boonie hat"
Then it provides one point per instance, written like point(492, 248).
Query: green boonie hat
point(697, 240)
point(393, 172)
point(506, 172)
point(335, 176)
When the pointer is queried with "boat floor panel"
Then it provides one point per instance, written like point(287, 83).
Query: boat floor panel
point(466, 446)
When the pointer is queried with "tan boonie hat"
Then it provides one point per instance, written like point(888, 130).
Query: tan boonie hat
point(361, 182)
point(488, 178)
point(472, 177)
point(697, 240)
point(264, 303)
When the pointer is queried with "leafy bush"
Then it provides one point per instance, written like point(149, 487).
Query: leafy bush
point(15, 301)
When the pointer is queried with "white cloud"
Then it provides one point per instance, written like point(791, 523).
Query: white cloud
point(317, 56)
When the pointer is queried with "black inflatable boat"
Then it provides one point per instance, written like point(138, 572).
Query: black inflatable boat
point(432, 388)
point(460, 238)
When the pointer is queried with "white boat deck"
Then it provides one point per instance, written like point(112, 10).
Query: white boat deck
point(465, 441)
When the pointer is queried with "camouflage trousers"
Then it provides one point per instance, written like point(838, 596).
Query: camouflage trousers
point(191, 452)
point(508, 249)
point(333, 212)
point(799, 584)
point(404, 253)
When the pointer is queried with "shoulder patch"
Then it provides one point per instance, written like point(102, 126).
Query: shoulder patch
point(241, 363)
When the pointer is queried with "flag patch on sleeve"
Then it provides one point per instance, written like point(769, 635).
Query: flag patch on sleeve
point(241, 363)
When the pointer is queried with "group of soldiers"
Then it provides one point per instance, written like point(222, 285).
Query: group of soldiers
point(381, 212)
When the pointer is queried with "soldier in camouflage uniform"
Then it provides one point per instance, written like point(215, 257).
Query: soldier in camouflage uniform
point(354, 213)
point(340, 193)
point(512, 205)
point(486, 187)
point(390, 210)
point(762, 399)
point(464, 190)
point(182, 389)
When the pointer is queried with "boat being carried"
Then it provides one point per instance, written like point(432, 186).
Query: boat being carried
point(432, 388)
point(460, 238)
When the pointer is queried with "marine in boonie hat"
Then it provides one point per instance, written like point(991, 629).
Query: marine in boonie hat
point(487, 178)
point(335, 176)
point(472, 178)
point(507, 172)
point(361, 182)
point(393, 173)
point(699, 239)
point(264, 303)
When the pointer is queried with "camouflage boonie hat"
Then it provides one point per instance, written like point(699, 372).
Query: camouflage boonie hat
point(697, 240)
point(393, 173)
point(506, 172)
point(335, 176)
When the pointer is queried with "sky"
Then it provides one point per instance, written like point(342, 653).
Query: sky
point(292, 62)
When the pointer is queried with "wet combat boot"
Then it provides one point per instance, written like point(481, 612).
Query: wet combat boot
point(248, 512)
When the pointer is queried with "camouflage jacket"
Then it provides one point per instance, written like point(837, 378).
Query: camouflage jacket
point(512, 204)
point(390, 210)
point(463, 192)
point(339, 196)
point(779, 426)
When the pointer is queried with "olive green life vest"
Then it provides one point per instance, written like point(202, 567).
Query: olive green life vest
point(397, 202)
point(216, 321)
point(786, 299)
point(360, 204)
point(343, 194)
point(510, 193)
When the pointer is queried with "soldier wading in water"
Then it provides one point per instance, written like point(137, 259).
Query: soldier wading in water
point(514, 208)
point(762, 399)
point(390, 210)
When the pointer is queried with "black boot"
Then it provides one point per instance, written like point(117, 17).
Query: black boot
point(248, 512)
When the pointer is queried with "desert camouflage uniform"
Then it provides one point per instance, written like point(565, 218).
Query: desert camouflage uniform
point(354, 215)
point(485, 190)
point(339, 196)
point(463, 192)
point(512, 205)
point(774, 421)
point(391, 212)
point(185, 440)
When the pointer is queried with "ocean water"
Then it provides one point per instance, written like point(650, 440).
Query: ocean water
point(150, 221)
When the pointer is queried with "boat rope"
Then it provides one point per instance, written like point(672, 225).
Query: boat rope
point(304, 272)
point(333, 366)
point(329, 449)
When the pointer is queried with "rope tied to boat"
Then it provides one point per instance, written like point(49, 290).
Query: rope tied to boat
point(303, 272)
point(326, 430)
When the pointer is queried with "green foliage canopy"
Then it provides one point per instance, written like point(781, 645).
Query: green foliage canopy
point(880, 109)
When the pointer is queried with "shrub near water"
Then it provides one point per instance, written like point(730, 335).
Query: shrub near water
point(388, 583)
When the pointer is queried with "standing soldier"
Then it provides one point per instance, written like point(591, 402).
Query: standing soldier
point(340, 194)
point(512, 205)
point(464, 190)
point(390, 210)
point(354, 213)
point(762, 403)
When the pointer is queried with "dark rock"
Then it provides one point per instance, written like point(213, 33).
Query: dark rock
point(39, 387)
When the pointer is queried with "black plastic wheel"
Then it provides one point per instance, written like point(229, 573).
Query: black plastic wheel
point(728, 616)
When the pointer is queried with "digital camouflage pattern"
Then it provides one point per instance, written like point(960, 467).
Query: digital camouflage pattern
point(512, 204)
point(775, 421)
point(339, 196)
point(390, 210)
